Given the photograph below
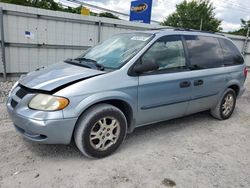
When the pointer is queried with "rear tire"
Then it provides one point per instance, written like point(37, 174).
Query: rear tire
point(100, 130)
point(225, 106)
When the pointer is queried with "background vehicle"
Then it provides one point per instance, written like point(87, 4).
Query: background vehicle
point(125, 82)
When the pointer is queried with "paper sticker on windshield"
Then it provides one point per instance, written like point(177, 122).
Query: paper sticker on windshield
point(139, 38)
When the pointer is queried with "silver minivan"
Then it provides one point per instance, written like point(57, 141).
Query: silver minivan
point(127, 81)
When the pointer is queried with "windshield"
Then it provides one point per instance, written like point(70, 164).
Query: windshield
point(117, 50)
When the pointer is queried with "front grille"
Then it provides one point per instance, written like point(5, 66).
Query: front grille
point(13, 103)
point(21, 93)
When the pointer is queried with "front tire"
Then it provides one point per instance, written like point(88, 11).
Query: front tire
point(100, 131)
point(226, 105)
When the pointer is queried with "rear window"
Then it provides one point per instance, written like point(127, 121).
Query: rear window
point(204, 52)
point(231, 53)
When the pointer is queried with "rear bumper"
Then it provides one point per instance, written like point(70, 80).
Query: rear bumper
point(56, 131)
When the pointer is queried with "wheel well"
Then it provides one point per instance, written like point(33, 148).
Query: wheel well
point(235, 88)
point(124, 107)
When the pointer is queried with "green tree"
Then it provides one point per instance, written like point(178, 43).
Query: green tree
point(108, 15)
point(18, 2)
point(45, 4)
point(245, 24)
point(52, 5)
point(189, 15)
point(76, 10)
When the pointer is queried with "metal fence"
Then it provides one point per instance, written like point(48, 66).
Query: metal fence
point(33, 38)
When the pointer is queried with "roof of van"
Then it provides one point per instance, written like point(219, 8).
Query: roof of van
point(171, 31)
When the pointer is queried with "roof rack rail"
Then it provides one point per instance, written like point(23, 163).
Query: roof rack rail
point(195, 30)
point(161, 28)
point(184, 29)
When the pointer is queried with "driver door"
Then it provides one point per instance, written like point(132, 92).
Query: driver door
point(165, 93)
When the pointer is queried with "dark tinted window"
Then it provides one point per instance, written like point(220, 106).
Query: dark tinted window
point(204, 52)
point(168, 52)
point(231, 54)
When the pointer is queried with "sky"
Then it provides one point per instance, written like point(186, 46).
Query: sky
point(229, 11)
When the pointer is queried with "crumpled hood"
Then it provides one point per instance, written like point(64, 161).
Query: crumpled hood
point(56, 75)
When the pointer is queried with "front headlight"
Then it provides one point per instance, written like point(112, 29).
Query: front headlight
point(48, 102)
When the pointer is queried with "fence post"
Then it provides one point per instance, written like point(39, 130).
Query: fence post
point(99, 30)
point(244, 50)
point(3, 44)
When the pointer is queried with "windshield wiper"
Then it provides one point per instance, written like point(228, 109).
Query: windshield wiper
point(75, 62)
point(90, 63)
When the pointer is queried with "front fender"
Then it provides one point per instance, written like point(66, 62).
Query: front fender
point(109, 95)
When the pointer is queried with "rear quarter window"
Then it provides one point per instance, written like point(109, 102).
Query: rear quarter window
point(232, 55)
point(204, 52)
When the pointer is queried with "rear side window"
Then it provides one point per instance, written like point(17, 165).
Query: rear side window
point(231, 53)
point(204, 52)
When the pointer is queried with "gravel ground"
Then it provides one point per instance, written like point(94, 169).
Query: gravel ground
point(194, 151)
point(4, 90)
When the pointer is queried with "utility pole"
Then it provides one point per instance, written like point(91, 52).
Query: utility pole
point(244, 50)
point(201, 24)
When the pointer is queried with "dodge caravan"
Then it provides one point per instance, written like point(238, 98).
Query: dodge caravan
point(127, 81)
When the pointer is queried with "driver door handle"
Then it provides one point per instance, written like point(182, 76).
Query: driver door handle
point(198, 82)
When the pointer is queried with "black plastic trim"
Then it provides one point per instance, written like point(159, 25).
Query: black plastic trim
point(21, 93)
point(163, 104)
point(13, 103)
point(181, 101)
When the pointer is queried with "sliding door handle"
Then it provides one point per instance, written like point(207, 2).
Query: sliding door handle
point(185, 84)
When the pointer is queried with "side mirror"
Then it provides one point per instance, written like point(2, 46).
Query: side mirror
point(146, 66)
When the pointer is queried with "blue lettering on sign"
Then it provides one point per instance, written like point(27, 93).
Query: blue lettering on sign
point(140, 11)
point(27, 33)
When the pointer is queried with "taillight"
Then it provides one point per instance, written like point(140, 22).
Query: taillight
point(245, 72)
